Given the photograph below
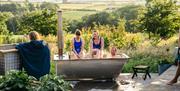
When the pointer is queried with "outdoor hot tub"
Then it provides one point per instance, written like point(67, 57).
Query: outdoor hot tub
point(93, 69)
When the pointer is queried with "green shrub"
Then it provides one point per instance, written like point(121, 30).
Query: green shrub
point(16, 81)
point(42, 21)
point(142, 59)
point(151, 56)
point(3, 19)
point(133, 40)
point(10, 39)
point(20, 81)
point(106, 42)
point(53, 83)
point(53, 67)
point(68, 45)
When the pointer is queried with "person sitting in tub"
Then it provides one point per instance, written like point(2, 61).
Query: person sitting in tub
point(96, 45)
point(113, 51)
point(77, 46)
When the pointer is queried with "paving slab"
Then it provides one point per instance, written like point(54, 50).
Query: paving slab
point(160, 83)
point(136, 84)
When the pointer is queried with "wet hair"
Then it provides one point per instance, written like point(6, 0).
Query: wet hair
point(78, 32)
point(33, 35)
point(114, 48)
point(94, 31)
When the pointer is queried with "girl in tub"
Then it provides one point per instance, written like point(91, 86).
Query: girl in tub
point(113, 51)
point(77, 46)
point(96, 45)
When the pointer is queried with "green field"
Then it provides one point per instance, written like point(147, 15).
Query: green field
point(76, 11)
point(75, 15)
point(91, 6)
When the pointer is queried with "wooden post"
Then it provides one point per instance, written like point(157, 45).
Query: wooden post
point(60, 35)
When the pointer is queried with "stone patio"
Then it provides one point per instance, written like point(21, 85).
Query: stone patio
point(159, 84)
point(156, 83)
point(136, 84)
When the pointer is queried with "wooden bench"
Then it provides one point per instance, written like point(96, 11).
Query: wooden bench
point(141, 68)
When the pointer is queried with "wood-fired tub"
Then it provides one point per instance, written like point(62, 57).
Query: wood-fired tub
point(77, 69)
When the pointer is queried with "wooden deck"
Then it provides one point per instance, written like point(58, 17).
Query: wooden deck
point(160, 83)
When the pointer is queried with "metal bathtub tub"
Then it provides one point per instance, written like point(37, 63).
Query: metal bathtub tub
point(100, 69)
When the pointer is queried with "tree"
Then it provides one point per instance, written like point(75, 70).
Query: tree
point(13, 23)
point(3, 19)
point(14, 8)
point(132, 14)
point(161, 19)
point(44, 22)
point(101, 18)
point(49, 6)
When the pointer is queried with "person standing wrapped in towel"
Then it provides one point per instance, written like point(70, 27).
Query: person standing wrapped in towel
point(35, 56)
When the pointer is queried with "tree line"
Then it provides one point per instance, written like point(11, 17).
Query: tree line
point(158, 18)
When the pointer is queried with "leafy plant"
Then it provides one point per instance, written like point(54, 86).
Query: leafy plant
point(53, 83)
point(3, 19)
point(68, 45)
point(20, 81)
point(16, 81)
